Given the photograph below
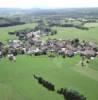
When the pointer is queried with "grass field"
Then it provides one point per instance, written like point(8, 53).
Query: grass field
point(17, 83)
point(16, 78)
point(69, 33)
point(4, 36)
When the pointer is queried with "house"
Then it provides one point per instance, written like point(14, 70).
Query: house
point(0, 54)
point(1, 45)
point(29, 35)
point(37, 33)
point(89, 53)
point(69, 53)
point(15, 44)
point(11, 57)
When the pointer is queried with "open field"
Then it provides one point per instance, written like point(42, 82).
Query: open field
point(17, 83)
point(16, 78)
point(69, 33)
point(63, 33)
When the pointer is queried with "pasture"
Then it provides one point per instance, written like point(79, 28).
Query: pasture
point(4, 36)
point(17, 82)
point(70, 33)
point(16, 78)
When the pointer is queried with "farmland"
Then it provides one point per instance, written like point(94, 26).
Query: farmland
point(4, 31)
point(16, 78)
point(69, 33)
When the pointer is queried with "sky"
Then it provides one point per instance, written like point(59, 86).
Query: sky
point(48, 3)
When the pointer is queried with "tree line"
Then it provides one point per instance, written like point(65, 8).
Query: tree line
point(68, 94)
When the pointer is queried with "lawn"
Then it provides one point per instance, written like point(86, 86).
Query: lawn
point(17, 82)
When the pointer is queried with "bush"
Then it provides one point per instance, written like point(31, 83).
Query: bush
point(45, 83)
point(71, 94)
point(81, 27)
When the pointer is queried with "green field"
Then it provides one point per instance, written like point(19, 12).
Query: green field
point(69, 33)
point(16, 78)
point(17, 83)
point(4, 31)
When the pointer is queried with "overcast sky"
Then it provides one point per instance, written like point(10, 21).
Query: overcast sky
point(48, 3)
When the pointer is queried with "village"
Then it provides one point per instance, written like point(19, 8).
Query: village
point(30, 43)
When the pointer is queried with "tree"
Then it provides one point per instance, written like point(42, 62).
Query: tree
point(70, 94)
point(53, 32)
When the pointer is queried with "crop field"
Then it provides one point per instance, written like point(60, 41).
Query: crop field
point(16, 78)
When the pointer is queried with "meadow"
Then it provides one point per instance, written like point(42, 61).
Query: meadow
point(16, 78)
point(4, 36)
point(70, 33)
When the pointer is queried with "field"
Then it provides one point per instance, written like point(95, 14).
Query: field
point(4, 36)
point(16, 78)
point(69, 33)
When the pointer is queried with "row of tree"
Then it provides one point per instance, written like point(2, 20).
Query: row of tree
point(80, 26)
point(5, 22)
point(71, 94)
point(44, 83)
point(67, 93)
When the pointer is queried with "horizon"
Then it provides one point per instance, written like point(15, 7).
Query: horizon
point(48, 4)
point(46, 8)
